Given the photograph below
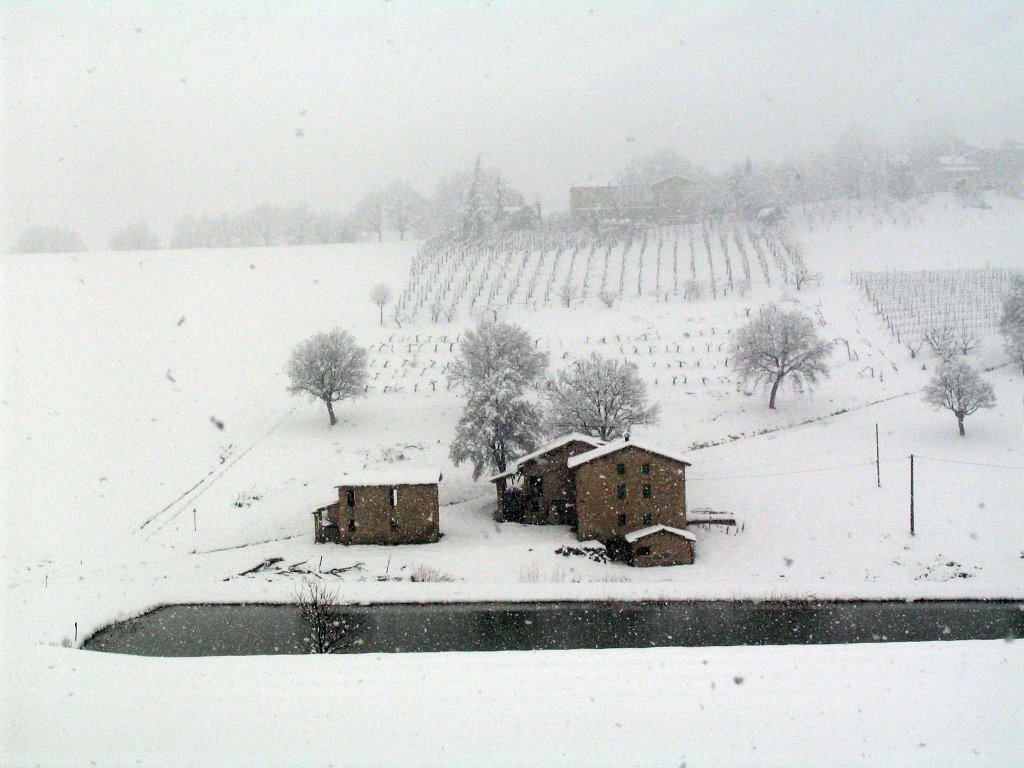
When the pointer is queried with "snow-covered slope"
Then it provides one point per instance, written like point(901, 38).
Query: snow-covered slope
point(151, 454)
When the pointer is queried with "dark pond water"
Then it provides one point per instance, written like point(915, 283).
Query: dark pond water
point(240, 630)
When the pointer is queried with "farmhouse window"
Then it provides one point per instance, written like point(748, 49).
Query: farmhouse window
point(648, 518)
point(621, 492)
point(352, 525)
point(620, 468)
point(393, 496)
point(647, 490)
point(537, 485)
point(350, 497)
point(646, 469)
point(535, 506)
point(394, 524)
point(622, 519)
point(643, 551)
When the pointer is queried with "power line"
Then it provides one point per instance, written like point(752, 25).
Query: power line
point(796, 471)
point(849, 466)
point(970, 463)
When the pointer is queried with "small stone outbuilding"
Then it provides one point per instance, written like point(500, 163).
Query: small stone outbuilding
point(659, 545)
point(393, 508)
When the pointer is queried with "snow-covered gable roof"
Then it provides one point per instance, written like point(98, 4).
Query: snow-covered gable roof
point(672, 177)
point(390, 477)
point(558, 443)
point(503, 475)
point(643, 532)
point(619, 445)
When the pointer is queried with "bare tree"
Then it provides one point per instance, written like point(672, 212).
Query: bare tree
point(777, 344)
point(567, 294)
point(380, 295)
point(958, 388)
point(599, 397)
point(497, 364)
point(942, 340)
point(330, 367)
point(966, 339)
point(404, 207)
point(369, 213)
point(327, 628)
point(608, 297)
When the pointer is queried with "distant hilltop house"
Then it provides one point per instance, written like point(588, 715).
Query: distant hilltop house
point(667, 200)
point(400, 507)
point(628, 495)
point(959, 168)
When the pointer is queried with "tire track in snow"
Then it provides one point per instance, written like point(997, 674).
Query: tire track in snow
point(189, 499)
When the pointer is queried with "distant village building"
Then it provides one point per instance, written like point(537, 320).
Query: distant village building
point(393, 508)
point(672, 199)
point(659, 545)
point(604, 491)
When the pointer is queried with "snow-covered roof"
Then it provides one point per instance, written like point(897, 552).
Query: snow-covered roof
point(619, 445)
point(652, 529)
point(390, 477)
point(558, 443)
point(673, 176)
point(503, 475)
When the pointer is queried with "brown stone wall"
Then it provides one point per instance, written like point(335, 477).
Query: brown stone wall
point(597, 499)
point(665, 549)
point(416, 515)
point(557, 485)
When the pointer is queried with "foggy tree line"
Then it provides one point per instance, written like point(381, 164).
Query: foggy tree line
point(476, 202)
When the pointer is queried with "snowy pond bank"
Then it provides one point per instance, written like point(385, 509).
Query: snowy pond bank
point(263, 629)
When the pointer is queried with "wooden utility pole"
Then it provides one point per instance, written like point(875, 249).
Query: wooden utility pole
point(911, 494)
point(878, 460)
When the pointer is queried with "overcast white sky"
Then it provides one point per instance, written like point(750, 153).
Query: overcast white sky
point(116, 111)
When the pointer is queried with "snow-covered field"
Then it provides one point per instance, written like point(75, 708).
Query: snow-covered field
point(151, 454)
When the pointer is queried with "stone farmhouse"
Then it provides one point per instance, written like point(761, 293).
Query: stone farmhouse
point(395, 508)
point(617, 493)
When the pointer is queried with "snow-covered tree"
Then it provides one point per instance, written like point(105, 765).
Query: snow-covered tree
point(404, 207)
point(475, 218)
point(49, 238)
point(134, 237)
point(497, 365)
point(777, 344)
point(380, 295)
point(330, 367)
point(598, 396)
point(369, 213)
point(958, 388)
point(1011, 325)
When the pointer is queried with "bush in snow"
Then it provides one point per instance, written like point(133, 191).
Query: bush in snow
point(330, 367)
point(426, 573)
point(942, 340)
point(326, 626)
point(497, 364)
point(1011, 325)
point(599, 397)
point(958, 388)
point(380, 295)
point(777, 344)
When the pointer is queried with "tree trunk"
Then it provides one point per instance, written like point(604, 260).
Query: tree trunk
point(775, 389)
point(960, 423)
point(382, 314)
point(330, 411)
